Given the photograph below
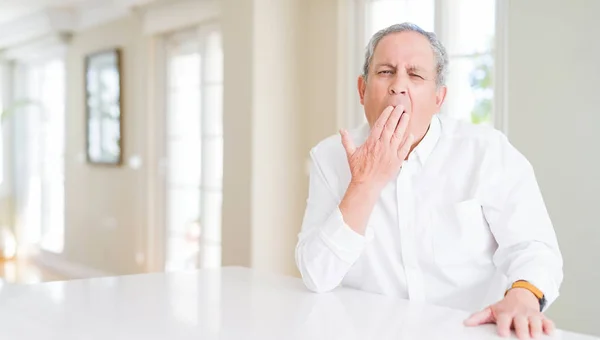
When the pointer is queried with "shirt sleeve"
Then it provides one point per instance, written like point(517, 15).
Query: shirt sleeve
point(327, 247)
point(515, 209)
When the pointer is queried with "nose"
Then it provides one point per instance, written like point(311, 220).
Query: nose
point(394, 91)
point(398, 86)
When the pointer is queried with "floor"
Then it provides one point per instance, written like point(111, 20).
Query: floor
point(24, 272)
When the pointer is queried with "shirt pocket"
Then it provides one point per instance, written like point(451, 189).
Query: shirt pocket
point(460, 234)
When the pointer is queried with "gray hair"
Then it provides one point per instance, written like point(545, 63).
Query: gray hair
point(439, 51)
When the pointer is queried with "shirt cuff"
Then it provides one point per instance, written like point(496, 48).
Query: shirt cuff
point(342, 240)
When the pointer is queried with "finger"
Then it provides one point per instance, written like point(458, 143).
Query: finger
point(400, 133)
point(405, 137)
point(521, 324)
point(548, 326)
point(392, 123)
point(503, 322)
point(405, 149)
point(380, 122)
point(480, 318)
point(347, 143)
point(535, 325)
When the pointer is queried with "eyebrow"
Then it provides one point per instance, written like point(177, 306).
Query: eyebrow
point(385, 65)
point(414, 68)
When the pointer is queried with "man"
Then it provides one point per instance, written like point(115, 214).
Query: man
point(428, 208)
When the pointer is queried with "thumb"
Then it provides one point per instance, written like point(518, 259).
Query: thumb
point(347, 143)
point(480, 318)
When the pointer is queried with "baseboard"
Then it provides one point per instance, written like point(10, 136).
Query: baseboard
point(59, 265)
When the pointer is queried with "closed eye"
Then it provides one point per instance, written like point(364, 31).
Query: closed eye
point(385, 72)
point(416, 75)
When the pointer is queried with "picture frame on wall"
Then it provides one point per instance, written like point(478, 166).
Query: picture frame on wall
point(104, 107)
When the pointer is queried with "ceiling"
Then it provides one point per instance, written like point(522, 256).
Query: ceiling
point(14, 9)
point(23, 21)
point(11, 10)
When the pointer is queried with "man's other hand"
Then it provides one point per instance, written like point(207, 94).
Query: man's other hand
point(519, 310)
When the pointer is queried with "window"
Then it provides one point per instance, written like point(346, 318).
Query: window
point(40, 145)
point(2, 94)
point(467, 30)
point(194, 152)
point(469, 40)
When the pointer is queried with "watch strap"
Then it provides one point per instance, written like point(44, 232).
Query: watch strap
point(533, 289)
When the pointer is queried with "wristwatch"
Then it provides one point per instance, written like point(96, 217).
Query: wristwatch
point(533, 289)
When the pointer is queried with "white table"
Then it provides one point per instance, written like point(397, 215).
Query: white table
point(227, 303)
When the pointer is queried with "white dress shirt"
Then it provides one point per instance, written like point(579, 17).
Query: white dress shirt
point(462, 221)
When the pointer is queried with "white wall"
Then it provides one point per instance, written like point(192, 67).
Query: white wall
point(264, 184)
point(554, 72)
point(105, 217)
point(6, 187)
point(278, 183)
point(286, 82)
point(238, 69)
point(320, 68)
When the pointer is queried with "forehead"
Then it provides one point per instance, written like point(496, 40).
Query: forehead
point(404, 47)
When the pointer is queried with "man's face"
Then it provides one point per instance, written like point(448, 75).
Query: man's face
point(403, 72)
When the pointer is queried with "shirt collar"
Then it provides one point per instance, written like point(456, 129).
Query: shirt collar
point(428, 143)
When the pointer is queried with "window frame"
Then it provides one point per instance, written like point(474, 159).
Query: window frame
point(158, 233)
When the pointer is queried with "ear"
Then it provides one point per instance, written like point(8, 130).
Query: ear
point(440, 95)
point(362, 85)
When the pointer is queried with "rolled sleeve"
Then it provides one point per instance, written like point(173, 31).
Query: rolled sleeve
point(344, 242)
point(515, 210)
point(327, 247)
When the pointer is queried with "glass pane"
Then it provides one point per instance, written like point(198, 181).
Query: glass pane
point(183, 42)
point(184, 162)
point(94, 147)
point(383, 13)
point(213, 110)
point(212, 162)
point(211, 216)
point(214, 58)
point(2, 70)
point(470, 91)
point(53, 91)
point(184, 112)
point(109, 82)
point(183, 211)
point(184, 70)
point(2, 91)
point(54, 139)
point(471, 26)
point(93, 85)
point(112, 134)
point(53, 238)
point(184, 228)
